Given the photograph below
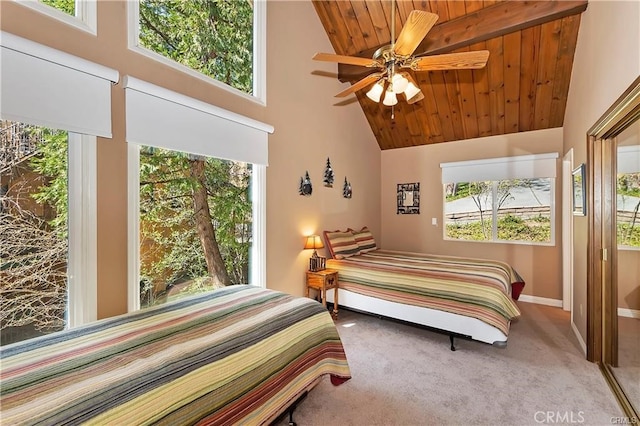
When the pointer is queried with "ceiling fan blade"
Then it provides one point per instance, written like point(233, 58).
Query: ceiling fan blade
point(418, 24)
point(451, 61)
point(351, 60)
point(371, 78)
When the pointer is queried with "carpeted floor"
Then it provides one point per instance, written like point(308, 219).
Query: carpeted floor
point(404, 375)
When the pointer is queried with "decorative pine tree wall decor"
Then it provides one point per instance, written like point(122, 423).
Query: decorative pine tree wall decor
point(305, 185)
point(328, 175)
point(346, 189)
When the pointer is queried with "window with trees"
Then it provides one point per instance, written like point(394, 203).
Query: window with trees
point(33, 230)
point(218, 39)
point(513, 203)
point(195, 224)
point(196, 195)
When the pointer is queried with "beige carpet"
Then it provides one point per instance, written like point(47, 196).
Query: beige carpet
point(404, 375)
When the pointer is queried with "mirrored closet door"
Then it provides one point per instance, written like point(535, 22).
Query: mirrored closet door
point(613, 289)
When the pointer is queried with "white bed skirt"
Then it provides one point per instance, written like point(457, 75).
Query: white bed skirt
point(442, 320)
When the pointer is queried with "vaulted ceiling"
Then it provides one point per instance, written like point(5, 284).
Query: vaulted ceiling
point(523, 87)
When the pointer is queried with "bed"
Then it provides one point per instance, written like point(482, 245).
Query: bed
point(241, 354)
point(464, 297)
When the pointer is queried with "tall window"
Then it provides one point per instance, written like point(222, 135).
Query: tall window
point(515, 203)
point(223, 40)
point(197, 181)
point(33, 230)
point(195, 224)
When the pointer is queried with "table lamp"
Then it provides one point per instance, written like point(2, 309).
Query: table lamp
point(316, 263)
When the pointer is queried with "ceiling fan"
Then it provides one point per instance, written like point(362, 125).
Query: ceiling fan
point(392, 61)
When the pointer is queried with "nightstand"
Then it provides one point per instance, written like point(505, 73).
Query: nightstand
point(322, 281)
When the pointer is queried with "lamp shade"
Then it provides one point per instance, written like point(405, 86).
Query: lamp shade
point(313, 242)
point(376, 91)
point(399, 82)
point(390, 98)
point(411, 90)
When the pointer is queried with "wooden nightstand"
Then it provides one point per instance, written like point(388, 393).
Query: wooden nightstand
point(322, 281)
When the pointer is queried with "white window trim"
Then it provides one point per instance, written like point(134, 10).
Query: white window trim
point(86, 18)
point(82, 217)
point(259, 52)
point(257, 257)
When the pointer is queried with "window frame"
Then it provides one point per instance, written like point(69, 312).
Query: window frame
point(259, 95)
point(82, 275)
point(85, 19)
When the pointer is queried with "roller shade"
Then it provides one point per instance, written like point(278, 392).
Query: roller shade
point(504, 168)
point(629, 159)
point(47, 87)
point(165, 119)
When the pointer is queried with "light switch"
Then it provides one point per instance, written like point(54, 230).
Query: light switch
point(434, 221)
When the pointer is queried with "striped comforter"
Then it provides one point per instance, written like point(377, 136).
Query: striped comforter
point(476, 288)
point(236, 355)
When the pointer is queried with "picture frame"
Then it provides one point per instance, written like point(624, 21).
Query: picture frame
point(408, 198)
point(578, 191)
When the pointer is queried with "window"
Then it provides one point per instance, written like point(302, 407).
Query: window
point(48, 276)
point(180, 251)
point(513, 203)
point(197, 142)
point(221, 40)
point(628, 197)
point(48, 88)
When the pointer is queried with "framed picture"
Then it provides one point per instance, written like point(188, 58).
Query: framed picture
point(579, 191)
point(408, 198)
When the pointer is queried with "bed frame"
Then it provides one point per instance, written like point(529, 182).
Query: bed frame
point(452, 324)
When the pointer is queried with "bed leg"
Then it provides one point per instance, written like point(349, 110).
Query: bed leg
point(453, 348)
point(291, 422)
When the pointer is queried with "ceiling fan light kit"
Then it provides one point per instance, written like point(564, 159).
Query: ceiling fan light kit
point(400, 55)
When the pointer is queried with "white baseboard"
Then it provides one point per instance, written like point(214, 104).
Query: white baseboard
point(540, 300)
point(629, 313)
point(583, 345)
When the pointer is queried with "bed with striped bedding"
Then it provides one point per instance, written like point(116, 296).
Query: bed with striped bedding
point(483, 290)
point(241, 354)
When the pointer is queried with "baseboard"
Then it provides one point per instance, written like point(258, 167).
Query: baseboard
point(540, 300)
point(629, 313)
point(581, 342)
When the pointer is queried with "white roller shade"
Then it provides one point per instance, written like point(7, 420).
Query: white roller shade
point(166, 119)
point(47, 87)
point(629, 159)
point(504, 168)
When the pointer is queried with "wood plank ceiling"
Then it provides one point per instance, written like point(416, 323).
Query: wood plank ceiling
point(523, 87)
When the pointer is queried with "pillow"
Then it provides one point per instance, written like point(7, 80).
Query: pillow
point(341, 244)
point(364, 240)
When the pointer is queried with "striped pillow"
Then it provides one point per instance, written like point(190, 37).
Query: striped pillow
point(364, 240)
point(341, 244)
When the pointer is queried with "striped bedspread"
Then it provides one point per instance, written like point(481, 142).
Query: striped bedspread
point(236, 355)
point(476, 288)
